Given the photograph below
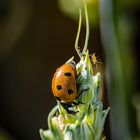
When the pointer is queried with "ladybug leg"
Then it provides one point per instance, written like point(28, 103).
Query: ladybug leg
point(77, 103)
point(72, 112)
point(83, 90)
point(66, 106)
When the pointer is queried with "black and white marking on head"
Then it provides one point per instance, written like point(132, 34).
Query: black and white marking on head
point(72, 63)
point(70, 91)
point(67, 74)
point(59, 87)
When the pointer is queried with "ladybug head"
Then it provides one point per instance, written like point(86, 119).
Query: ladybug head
point(73, 65)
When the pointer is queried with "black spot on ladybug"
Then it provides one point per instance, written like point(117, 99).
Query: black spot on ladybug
point(70, 91)
point(67, 74)
point(59, 87)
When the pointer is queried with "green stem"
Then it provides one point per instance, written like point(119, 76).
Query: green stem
point(114, 72)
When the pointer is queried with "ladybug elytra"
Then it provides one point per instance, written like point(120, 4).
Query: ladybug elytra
point(64, 82)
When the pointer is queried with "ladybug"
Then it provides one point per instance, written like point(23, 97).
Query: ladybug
point(64, 86)
point(64, 82)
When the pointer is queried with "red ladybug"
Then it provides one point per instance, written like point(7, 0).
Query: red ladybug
point(64, 85)
point(64, 82)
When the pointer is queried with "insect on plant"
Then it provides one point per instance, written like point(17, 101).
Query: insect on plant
point(64, 85)
point(79, 113)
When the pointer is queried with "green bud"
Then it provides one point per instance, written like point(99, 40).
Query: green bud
point(88, 122)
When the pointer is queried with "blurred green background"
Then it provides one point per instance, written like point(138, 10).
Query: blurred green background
point(36, 37)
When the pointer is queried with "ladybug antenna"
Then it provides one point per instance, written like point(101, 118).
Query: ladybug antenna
point(77, 48)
